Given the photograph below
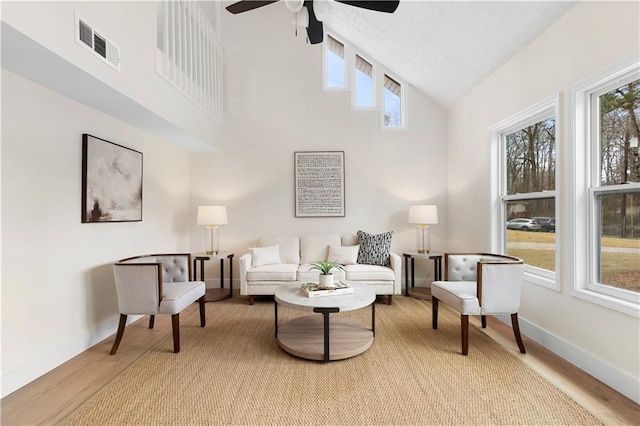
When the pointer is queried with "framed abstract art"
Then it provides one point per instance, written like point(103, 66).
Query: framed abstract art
point(111, 182)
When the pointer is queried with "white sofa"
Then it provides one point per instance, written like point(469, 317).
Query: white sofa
point(266, 267)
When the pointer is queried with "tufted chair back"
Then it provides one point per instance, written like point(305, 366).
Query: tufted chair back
point(175, 268)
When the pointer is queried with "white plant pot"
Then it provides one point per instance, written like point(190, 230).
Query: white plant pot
point(326, 280)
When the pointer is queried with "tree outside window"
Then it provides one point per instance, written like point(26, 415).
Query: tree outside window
point(529, 194)
point(616, 196)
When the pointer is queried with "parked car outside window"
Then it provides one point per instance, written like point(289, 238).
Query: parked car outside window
point(548, 224)
point(524, 224)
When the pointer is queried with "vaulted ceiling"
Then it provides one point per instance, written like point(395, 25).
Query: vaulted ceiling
point(442, 48)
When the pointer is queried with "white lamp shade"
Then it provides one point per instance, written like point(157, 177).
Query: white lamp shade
point(212, 215)
point(424, 215)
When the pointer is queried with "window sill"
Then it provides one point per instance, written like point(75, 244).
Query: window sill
point(546, 282)
point(624, 306)
point(335, 89)
point(393, 129)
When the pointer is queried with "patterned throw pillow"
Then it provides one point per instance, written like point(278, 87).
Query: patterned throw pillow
point(374, 249)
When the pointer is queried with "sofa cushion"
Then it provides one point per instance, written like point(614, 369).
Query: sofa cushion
point(350, 240)
point(314, 248)
point(274, 272)
point(289, 247)
point(269, 255)
point(368, 273)
point(374, 249)
point(344, 255)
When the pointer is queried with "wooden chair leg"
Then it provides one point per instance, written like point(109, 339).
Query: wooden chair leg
point(121, 325)
point(251, 300)
point(484, 321)
point(203, 319)
point(434, 313)
point(389, 300)
point(175, 325)
point(516, 332)
point(152, 319)
point(464, 329)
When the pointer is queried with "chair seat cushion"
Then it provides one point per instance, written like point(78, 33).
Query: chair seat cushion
point(177, 296)
point(460, 295)
point(368, 273)
point(275, 272)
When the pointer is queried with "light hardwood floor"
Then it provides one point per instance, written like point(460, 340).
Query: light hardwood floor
point(54, 397)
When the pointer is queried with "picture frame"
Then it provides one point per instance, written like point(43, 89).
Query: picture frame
point(319, 184)
point(111, 182)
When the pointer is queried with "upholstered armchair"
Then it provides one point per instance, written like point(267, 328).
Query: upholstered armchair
point(480, 284)
point(153, 285)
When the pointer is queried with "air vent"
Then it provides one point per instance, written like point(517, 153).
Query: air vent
point(89, 38)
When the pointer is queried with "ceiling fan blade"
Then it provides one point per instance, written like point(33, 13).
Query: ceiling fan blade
point(314, 30)
point(247, 5)
point(378, 6)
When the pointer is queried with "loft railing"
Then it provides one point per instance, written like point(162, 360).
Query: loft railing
point(189, 54)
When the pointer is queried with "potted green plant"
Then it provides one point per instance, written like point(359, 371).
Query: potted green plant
point(325, 267)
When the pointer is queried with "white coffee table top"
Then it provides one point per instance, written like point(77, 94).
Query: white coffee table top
point(291, 295)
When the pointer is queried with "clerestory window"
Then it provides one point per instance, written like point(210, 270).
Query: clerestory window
point(393, 110)
point(364, 88)
point(334, 64)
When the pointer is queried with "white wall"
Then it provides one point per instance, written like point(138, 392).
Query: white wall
point(58, 294)
point(274, 106)
point(131, 25)
point(590, 37)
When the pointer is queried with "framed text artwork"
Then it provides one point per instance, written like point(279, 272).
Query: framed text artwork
point(111, 182)
point(319, 183)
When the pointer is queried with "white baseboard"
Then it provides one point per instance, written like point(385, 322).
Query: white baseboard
point(31, 370)
point(622, 382)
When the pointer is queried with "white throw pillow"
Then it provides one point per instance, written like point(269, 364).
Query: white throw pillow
point(265, 255)
point(344, 255)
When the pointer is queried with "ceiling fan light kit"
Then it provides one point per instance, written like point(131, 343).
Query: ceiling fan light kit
point(307, 17)
point(301, 18)
point(294, 5)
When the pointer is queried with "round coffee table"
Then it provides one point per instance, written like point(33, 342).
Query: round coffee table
point(319, 337)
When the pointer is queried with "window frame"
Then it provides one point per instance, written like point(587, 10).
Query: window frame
point(586, 187)
point(403, 102)
point(546, 108)
point(325, 65)
point(374, 83)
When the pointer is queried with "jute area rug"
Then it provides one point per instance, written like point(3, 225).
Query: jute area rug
point(233, 372)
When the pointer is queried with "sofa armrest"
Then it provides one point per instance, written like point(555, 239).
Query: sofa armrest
point(244, 264)
point(396, 266)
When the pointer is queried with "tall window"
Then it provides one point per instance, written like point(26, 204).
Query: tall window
point(604, 110)
point(393, 114)
point(615, 185)
point(364, 84)
point(524, 166)
point(334, 63)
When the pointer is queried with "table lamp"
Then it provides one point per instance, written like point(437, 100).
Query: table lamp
point(423, 216)
point(211, 217)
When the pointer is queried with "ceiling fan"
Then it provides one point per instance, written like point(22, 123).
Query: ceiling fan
point(314, 27)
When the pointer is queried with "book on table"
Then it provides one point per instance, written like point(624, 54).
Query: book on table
point(314, 290)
